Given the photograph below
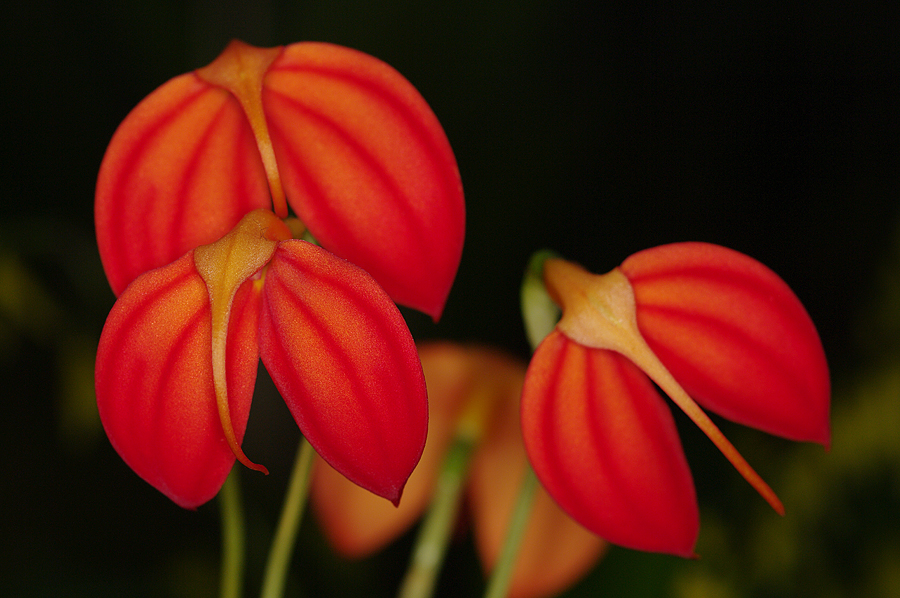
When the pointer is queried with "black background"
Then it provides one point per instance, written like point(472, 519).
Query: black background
point(596, 131)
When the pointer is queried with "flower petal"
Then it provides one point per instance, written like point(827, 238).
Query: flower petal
point(735, 336)
point(180, 172)
point(343, 359)
point(368, 168)
point(556, 551)
point(356, 522)
point(604, 445)
point(154, 381)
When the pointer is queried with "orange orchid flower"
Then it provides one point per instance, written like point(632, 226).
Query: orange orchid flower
point(195, 235)
point(462, 382)
point(707, 325)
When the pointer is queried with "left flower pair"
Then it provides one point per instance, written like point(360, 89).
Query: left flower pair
point(192, 223)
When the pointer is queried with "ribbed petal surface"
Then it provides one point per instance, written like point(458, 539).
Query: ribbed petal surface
point(556, 551)
point(180, 171)
point(343, 359)
point(735, 336)
point(154, 381)
point(368, 168)
point(356, 522)
point(604, 444)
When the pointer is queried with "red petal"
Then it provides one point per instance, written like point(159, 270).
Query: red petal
point(345, 363)
point(180, 172)
point(555, 551)
point(604, 444)
point(154, 381)
point(357, 522)
point(735, 336)
point(368, 168)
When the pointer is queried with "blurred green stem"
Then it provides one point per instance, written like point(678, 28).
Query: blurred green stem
point(503, 570)
point(232, 513)
point(291, 514)
point(434, 534)
point(540, 314)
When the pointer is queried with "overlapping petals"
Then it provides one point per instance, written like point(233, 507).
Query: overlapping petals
point(195, 233)
point(556, 551)
point(177, 363)
point(337, 135)
point(702, 322)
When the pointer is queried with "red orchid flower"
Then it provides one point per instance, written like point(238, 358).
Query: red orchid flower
point(706, 324)
point(556, 551)
point(338, 136)
point(210, 279)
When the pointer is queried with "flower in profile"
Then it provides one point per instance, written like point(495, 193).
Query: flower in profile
point(196, 237)
point(471, 390)
point(709, 326)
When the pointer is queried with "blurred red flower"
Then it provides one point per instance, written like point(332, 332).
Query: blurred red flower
point(555, 552)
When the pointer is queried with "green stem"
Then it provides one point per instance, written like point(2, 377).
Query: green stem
point(232, 513)
point(503, 569)
point(434, 534)
point(539, 312)
point(291, 514)
point(540, 315)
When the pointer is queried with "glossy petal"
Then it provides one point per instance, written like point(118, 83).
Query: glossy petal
point(368, 168)
point(343, 359)
point(604, 445)
point(154, 381)
point(735, 337)
point(180, 172)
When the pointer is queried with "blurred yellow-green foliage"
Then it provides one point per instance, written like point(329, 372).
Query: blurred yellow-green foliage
point(595, 129)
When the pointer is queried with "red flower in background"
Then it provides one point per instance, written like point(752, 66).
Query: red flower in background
point(555, 552)
point(192, 216)
point(704, 323)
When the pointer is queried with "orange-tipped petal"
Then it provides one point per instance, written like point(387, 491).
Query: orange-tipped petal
point(604, 445)
point(343, 359)
point(154, 381)
point(556, 551)
point(180, 172)
point(735, 337)
point(357, 522)
point(368, 169)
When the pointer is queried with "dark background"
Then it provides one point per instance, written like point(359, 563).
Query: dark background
point(596, 131)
